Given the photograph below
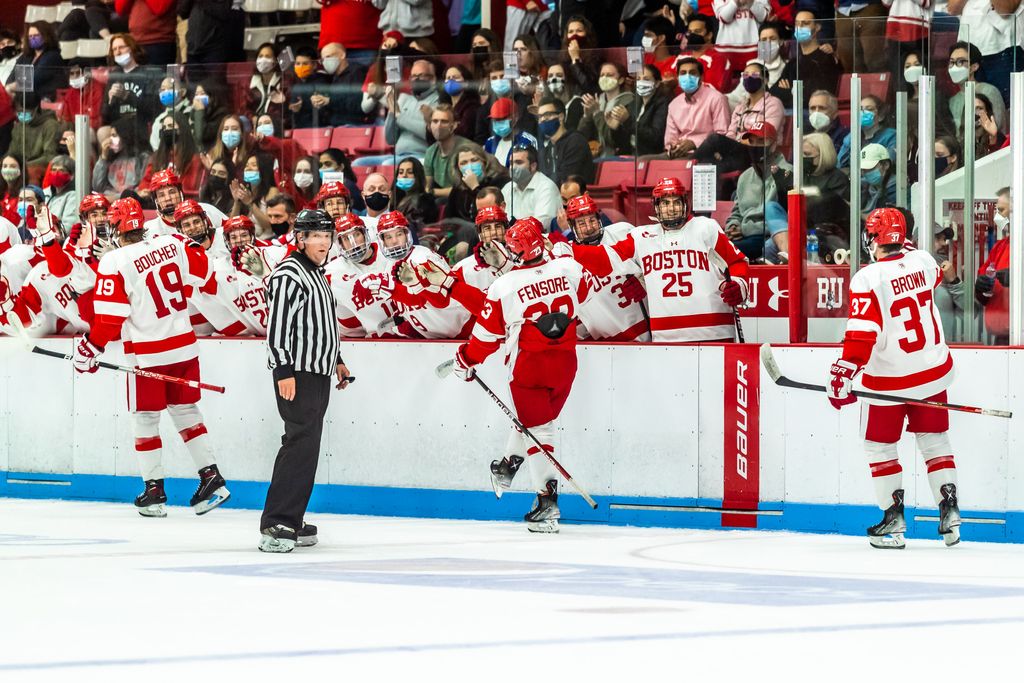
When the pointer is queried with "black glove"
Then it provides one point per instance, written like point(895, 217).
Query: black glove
point(1003, 277)
point(983, 288)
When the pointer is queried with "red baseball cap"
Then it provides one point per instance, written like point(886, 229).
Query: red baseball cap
point(761, 129)
point(503, 108)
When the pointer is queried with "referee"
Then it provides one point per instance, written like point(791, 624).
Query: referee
point(302, 344)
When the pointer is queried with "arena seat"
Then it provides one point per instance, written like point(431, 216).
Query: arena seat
point(722, 211)
point(68, 49)
point(93, 48)
point(314, 140)
point(40, 13)
point(63, 10)
point(351, 138)
point(870, 84)
point(378, 144)
point(665, 168)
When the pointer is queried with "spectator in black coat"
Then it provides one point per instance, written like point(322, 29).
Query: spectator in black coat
point(566, 152)
point(651, 112)
point(818, 68)
point(40, 49)
point(96, 20)
point(307, 85)
point(216, 31)
point(133, 90)
point(471, 169)
point(341, 97)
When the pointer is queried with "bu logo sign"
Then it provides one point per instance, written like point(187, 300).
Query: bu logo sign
point(830, 292)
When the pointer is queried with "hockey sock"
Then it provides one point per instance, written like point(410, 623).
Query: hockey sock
point(541, 469)
point(148, 445)
point(937, 453)
point(514, 444)
point(189, 423)
point(886, 471)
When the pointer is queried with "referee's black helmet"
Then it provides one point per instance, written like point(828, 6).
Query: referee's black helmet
point(313, 220)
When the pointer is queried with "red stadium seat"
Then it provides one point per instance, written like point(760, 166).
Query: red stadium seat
point(870, 84)
point(313, 140)
point(611, 173)
point(664, 168)
point(844, 117)
point(351, 138)
point(378, 144)
point(722, 211)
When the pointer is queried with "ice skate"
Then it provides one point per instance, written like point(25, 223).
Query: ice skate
point(306, 536)
point(152, 501)
point(503, 472)
point(889, 532)
point(278, 539)
point(949, 515)
point(543, 518)
point(212, 491)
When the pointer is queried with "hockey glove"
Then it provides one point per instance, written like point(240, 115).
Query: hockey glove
point(492, 254)
point(101, 247)
point(45, 231)
point(249, 259)
point(632, 290)
point(405, 273)
point(6, 297)
point(840, 384)
point(86, 358)
point(733, 293)
point(462, 368)
point(75, 234)
point(435, 278)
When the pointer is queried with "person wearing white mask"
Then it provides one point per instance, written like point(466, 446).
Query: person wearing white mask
point(991, 289)
point(823, 117)
point(132, 90)
point(738, 28)
point(339, 98)
point(561, 85)
point(607, 117)
point(305, 182)
point(653, 96)
point(769, 55)
point(964, 62)
point(266, 93)
point(907, 28)
point(995, 27)
point(658, 37)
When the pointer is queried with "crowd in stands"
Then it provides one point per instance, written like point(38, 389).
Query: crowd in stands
point(250, 132)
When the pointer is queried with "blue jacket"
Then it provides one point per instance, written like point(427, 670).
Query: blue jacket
point(521, 139)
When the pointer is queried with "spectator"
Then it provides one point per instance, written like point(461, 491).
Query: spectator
point(659, 36)
point(377, 197)
point(566, 152)
point(531, 193)
point(341, 95)
point(995, 27)
point(964, 62)
point(604, 14)
point(770, 56)
point(827, 190)
point(757, 212)
point(696, 113)
point(411, 18)
point(949, 294)
point(873, 130)
point(121, 164)
point(490, 196)
point(948, 155)
point(9, 53)
point(908, 79)
point(906, 29)
point(523, 16)
point(437, 160)
point(701, 31)
point(280, 216)
point(991, 289)
point(501, 144)
point(308, 85)
point(154, 25)
point(375, 87)
point(266, 89)
point(561, 86)
point(580, 53)
point(471, 169)
point(726, 151)
point(860, 35)
point(12, 179)
point(305, 183)
point(464, 99)
point(32, 197)
point(606, 118)
point(42, 51)
point(651, 107)
point(823, 117)
point(173, 100)
point(95, 20)
point(406, 124)
point(738, 28)
point(532, 70)
point(177, 151)
point(486, 47)
point(216, 191)
point(469, 26)
point(63, 201)
point(410, 178)
point(353, 23)
point(34, 136)
point(987, 136)
point(574, 186)
point(255, 189)
point(132, 90)
point(216, 31)
point(209, 107)
point(815, 64)
point(232, 142)
point(335, 160)
point(877, 179)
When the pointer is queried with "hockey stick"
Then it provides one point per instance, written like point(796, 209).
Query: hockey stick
point(446, 368)
point(135, 371)
point(768, 361)
point(735, 312)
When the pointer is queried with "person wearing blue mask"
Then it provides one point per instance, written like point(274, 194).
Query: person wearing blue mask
point(464, 98)
point(877, 179)
point(172, 98)
point(255, 190)
point(505, 137)
point(872, 130)
point(36, 131)
point(696, 113)
point(472, 169)
point(566, 152)
point(340, 97)
point(232, 142)
point(815, 64)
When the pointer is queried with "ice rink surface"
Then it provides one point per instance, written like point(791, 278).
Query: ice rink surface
point(94, 592)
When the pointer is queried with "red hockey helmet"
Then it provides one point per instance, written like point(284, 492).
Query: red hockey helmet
point(671, 187)
point(583, 205)
point(188, 208)
point(585, 220)
point(164, 178)
point(885, 226)
point(347, 227)
point(238, 224)
point(333, 189)
point(126, 216)
point(491, 214)
point(91, 202)
point(525, 240)
point(389, 227)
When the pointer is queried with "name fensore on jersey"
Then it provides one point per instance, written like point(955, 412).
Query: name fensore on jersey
point(146, 285)
point(894, 300)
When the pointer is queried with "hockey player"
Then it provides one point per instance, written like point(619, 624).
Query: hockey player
point(141, 295)
point(166, 188)
point(532, 309)
point(894, 336)
point(694, 274)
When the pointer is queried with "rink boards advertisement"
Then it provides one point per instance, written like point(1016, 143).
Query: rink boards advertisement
point(660, 435)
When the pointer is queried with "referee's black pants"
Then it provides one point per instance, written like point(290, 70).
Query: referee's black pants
point(295, 467)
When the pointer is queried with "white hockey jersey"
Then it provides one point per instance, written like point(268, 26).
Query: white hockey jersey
point(363, 311)
point(50, 303)
point(233, 303)
point(434, 322)
point(156, 227)
point(16, 263)
point(610, 314)
point(893, 301)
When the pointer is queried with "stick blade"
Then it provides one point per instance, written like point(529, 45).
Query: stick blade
point(444, 369)
point(768, 361)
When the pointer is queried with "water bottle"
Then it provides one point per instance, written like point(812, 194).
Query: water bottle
point(991, 272)
point(812, 246)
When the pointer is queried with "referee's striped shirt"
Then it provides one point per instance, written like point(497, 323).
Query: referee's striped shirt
point(303, 331)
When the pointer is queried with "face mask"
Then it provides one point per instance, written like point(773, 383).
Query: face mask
point(8, 52)
point(264, 64)
point(251, 177)
point(810, 163)
point(480, 52)
point(216, 183)
point(167, 211)
point(405, 184)
point(607, 83)
point(867, 119)
point(693, 4)
point(474, 167)
point(167, 97)
point(59, 179)
point(556, 85)
point(203, 100)
point(645, 88)
point(303, 71)
point(376, 201)
point(124, 59)
point(279, 228)
point(77, 83)
point(502, 128)
point(453, 87)
point(548, 128)
point(752, 84)
point(802, 34)
point(115, 143)
point(167, 137)
point(500, 87)
point(9, 174)
point(266, 130)
point(421, 88)
point(689, 83)
point(231, 138)
point(521, 175)
point(757, 156)
point(331, 64)
point(303, 179)
point(873, 177)
point(958, 74)
point(694, 40)
point(999, 219)
point(819, 120)
point(648, 44)
point(24, 116)
point(22, 209)
point(767, 50)
point(35, 42)
point(912, 74)
point(62, 148)
point(941, 164)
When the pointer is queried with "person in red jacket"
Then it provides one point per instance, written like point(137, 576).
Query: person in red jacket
point(353, 23)
point(991, 289)
point(153, 24)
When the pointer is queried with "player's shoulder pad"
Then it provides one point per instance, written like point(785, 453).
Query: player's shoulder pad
point(616, 232)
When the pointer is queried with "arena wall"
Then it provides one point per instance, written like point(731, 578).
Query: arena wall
point(660, 435)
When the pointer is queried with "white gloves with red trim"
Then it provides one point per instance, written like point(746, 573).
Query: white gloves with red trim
point(435, 278)
point(462, 369)
point(840, 384)
point(86, 358)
